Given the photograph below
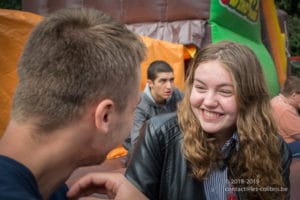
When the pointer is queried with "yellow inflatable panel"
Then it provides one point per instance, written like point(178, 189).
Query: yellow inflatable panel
point(277, 39)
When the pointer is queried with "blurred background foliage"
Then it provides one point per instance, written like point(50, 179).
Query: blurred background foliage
point(11, 4)
point(292, 7)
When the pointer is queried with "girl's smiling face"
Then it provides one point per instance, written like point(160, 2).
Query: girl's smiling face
point(213, 100)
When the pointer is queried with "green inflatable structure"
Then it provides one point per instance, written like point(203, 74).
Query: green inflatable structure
point(240, 22)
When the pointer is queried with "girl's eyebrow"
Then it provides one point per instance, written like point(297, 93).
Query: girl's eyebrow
point(197, 80)
point(220, 85)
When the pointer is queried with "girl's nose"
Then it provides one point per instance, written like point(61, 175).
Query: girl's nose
point(210, 99)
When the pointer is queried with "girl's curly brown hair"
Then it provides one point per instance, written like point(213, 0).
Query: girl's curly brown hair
point(258, 157)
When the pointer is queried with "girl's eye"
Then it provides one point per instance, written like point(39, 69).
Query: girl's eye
point(200, 88)
point(226, 92)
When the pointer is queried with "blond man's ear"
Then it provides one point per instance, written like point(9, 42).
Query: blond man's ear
point(103, 115)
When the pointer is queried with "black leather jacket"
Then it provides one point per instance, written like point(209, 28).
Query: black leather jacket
point(160, 171)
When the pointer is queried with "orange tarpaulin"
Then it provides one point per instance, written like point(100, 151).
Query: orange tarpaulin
point(169, 52)
point(15, 26)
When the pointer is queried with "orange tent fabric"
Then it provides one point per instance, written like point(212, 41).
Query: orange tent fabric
point(15, 27)
point(162, 50)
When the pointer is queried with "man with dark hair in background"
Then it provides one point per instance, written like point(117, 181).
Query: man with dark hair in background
point(159, 96)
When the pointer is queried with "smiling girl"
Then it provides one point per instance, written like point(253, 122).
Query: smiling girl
point(223, 142)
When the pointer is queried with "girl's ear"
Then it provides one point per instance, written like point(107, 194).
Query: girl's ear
point(103, 115)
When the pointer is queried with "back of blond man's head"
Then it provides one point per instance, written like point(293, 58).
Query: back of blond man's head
point(72, 59)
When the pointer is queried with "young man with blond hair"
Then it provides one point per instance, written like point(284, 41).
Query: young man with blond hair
point(73, 104)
